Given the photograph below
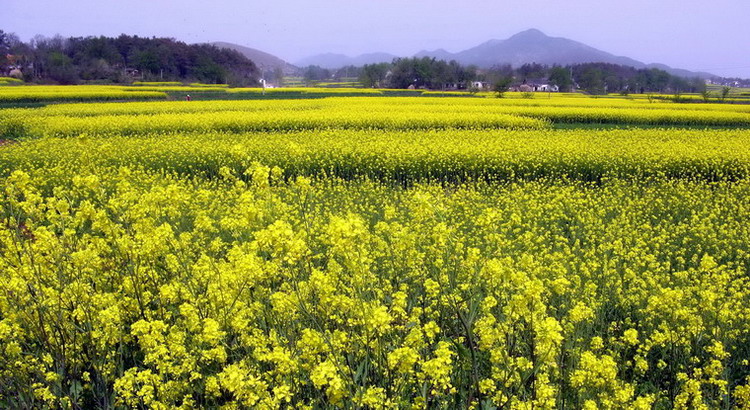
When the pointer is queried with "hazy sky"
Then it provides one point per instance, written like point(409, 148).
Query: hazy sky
point(703, 35)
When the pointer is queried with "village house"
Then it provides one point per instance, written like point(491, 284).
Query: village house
point(547, 88)
point(14, 66)
point(540, 85)
point(480, 85)
point(535, 85)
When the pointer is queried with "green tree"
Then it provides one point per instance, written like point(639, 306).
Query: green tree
point(532, 71)
point(373, 75)
point(441, 74)
point(656, 80)
point(697, 85)
point(314, 74)
point(725, 93)
point(4, 48)
point(591, 80)
point(60, 68)
point(146, 61)
point(425, 68)
point(208, 71)
point(501, 86)
point(560, 76)
point(403, 73)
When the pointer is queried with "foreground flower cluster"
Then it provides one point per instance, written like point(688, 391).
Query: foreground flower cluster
point(377, 252)
point(132, 288)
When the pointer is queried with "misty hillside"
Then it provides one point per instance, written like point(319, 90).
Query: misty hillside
point(530, 46)
point(440, 54)
point(333, 61)
point(533, 46)
point(264, 61)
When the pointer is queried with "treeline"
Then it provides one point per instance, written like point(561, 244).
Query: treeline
point(419, 73)
point(598, 78)
point(595, 78)
point(732, 82)
point(313, 74)
point(121, 60)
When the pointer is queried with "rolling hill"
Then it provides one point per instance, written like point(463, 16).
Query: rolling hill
point(533, 46)
point(331, 61)
point(529, 46)
point(263, 60)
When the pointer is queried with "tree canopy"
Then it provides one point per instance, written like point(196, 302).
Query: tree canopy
point(126, 58)
point(594, 78)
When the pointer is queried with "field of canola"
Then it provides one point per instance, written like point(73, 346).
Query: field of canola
point(375, 252)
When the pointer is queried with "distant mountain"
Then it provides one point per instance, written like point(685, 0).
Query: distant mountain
point(533, 46)
point(372, 58)
point(263, 60)
point(530, 46)
point(326, 60)
point(440, 54)
point(332, 61)
point(681, 72)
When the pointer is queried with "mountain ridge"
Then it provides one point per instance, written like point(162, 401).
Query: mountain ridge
point(334, 60)
point(265, 61)
point(528, 46)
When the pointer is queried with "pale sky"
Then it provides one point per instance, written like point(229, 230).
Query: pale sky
point(711, 36)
